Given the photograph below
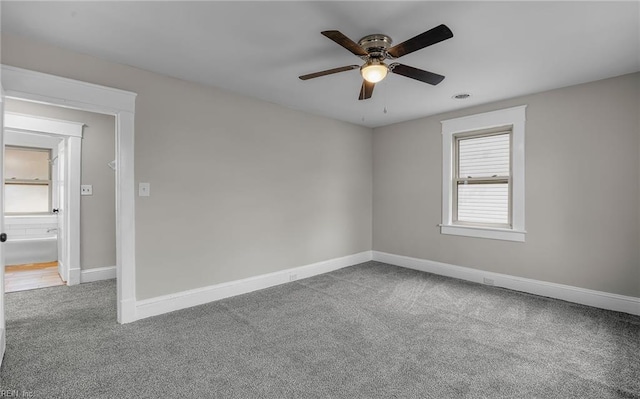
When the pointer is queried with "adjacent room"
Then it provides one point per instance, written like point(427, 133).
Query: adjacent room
point(363, 199)
point(42, 243)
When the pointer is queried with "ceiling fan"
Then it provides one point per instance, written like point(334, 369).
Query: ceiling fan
point(375, 49)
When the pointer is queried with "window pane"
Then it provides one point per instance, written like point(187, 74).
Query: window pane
point(24, 164)
point(483, 203)
point(26, 198)
point(484, 156)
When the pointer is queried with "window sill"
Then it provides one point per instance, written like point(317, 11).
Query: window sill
point(483, 232)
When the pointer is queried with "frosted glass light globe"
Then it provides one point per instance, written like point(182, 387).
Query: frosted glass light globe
point(374, 72)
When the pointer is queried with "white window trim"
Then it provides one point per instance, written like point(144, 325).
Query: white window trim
point(514, 117)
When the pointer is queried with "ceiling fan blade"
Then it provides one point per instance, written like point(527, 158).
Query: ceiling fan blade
point(328, 72)
point(417, 74)
point(433, 36)
point(366, 91)
point(344, 41)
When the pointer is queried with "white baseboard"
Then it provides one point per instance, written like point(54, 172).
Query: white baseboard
point(97, 274)
point(186, 299)
point(598, 299)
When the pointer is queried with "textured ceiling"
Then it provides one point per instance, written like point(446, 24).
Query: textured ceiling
point(499, 49)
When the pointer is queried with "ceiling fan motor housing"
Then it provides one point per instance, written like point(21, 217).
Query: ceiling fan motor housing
point(376, 45)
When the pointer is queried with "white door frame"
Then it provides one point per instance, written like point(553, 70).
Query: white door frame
point(71, 133)
point(40, 87)
point(2, 325)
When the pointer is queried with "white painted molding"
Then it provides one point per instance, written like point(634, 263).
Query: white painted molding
point(2, 254)
point(35, 86)
point(97, 274)
point(41, 124)
point(514, 117)
point(125, 217)
point(127, 310)
point(186, 299)
point(71, 209)
point(598, 299)
point(484, 120)
point(74, 276)
point(63, 270)
point(53, 89)
point(21, 138)
point(3, 345)
point(483, 232)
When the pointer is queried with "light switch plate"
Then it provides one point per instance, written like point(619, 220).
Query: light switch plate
point(86, 189)
point(144, 189)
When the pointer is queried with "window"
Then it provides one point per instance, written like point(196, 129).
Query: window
point(27, 180)
point(482, 174)
point(483, 179)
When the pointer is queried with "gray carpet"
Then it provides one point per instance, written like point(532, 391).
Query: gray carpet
point(367, 331)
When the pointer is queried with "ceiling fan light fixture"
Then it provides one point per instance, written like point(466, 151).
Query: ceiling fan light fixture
point(374, 49)
point(374, 71)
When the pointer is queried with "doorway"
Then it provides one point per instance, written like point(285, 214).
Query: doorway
point(61, 149)
point(32, 187)
point(43, 225)
point(33, 86)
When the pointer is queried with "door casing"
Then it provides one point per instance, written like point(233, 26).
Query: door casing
point(2, 321)
point(28, 85)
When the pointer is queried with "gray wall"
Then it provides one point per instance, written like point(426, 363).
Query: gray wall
point(239, 187)
point(582, 190)
point(97, 212)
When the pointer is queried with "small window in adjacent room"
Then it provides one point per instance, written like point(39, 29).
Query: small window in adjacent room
point(27, 180)
point(483, 181)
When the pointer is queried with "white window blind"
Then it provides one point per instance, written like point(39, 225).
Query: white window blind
point(482, 179)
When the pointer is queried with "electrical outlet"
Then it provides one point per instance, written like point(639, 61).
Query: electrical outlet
point(293, 277)
point(488, 281)
point(86, 189)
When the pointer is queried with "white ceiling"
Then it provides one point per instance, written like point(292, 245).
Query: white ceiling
point(499, 49)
